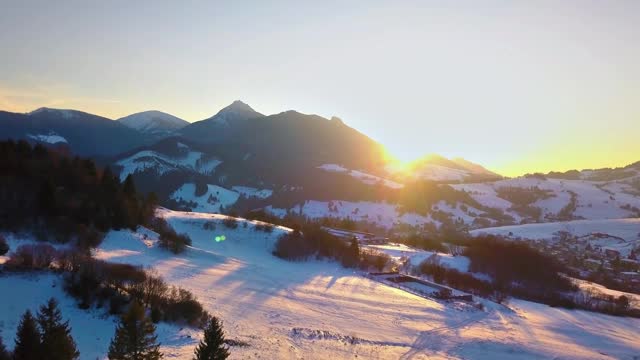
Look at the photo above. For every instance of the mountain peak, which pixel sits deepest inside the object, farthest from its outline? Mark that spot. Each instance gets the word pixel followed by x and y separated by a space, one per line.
pixel 153 121
pixel 235 110
pixel 63 112
pixel 237 105
pixel 337 120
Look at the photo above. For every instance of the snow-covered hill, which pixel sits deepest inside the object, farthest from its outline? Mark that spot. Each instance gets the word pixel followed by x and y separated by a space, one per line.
pixel 180 158
pixel 564 199
pixel 153 122
pixel 438 168
pixel 317 309
pixel 212 200
pixel 619 234
pixel 362 176
pixel 50 138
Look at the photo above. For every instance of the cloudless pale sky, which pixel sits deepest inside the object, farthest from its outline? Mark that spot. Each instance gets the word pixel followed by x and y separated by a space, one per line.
pixel 518 86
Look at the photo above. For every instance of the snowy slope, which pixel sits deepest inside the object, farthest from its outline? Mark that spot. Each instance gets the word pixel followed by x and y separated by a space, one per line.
pixel 209 202
pixel 153 122
pixel 51 138
pixel 161 163
pixel 362 176
pixel 381 213
pixel 92 330
pixel 595 200
pixel 252 192
pixel 318 310
pixel 416 256
pixel 626 229
pixel 438 168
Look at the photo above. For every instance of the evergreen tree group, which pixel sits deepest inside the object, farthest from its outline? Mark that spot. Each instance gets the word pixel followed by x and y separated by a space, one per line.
pixel 212 346
pixel 135 337
pixel 44 336
pixel 4 353
pixel 44 189
pixel 56 340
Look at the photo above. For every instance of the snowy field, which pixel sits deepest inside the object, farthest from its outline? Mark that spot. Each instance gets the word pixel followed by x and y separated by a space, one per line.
pixel 416 256
pixel 317 309
pixel 381 213
pixel 209 202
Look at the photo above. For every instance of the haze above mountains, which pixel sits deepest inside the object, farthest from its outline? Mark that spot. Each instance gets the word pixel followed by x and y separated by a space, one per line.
pixel 237 125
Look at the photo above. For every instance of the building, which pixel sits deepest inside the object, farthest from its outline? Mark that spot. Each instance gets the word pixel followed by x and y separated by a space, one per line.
pixel 361 236
pixel 630 276
pixel 611 253
pixel 592 264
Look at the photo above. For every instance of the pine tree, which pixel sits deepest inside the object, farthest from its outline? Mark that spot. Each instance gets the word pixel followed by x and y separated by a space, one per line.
pixel 212 347
pixel 352 255
pixel 27 339
pixel 47 198
pixel 56 338
pixel 135 337
pixel 129 188
pixel 4 354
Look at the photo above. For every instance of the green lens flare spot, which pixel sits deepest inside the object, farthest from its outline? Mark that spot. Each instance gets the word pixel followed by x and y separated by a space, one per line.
pixel 220 238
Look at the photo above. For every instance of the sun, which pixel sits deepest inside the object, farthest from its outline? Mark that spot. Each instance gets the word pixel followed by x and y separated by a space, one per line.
pixel 396 165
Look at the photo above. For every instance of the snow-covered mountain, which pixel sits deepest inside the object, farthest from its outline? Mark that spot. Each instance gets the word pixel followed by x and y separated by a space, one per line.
pixel 84 133
pixel 219 127
pixel 438 168
pixel 153 122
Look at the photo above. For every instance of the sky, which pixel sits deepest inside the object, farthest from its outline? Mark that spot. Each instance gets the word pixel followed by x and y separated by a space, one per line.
pixel 517 86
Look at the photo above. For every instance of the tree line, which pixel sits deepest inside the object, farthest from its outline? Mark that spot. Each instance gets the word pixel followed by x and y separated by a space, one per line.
pixel 46 335
pixel 59 197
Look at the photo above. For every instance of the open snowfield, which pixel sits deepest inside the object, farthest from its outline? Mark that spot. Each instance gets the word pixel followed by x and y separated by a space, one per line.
pixel 318 310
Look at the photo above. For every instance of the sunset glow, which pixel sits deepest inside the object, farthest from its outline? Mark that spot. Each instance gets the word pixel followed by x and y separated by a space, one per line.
pixel 518 87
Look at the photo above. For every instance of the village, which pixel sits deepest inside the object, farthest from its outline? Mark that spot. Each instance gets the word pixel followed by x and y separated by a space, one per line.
pixel 596 256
